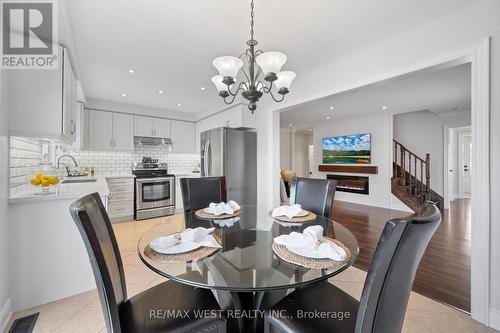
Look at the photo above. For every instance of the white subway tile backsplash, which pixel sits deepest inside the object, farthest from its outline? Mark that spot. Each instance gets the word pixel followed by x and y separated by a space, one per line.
pixel 109 163
pixel 24 154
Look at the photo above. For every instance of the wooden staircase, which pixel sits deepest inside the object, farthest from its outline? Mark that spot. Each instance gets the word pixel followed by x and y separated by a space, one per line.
pixel 411 179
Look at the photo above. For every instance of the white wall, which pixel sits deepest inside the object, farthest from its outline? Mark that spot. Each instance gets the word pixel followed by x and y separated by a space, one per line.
pixel 4 229
pixel 379 127
pixel 286 145
pixel 479 20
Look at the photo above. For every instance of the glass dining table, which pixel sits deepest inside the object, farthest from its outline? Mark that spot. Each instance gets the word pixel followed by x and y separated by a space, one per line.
pixel 246 276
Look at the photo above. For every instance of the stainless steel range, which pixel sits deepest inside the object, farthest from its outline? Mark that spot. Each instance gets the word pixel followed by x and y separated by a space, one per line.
pixel 154 189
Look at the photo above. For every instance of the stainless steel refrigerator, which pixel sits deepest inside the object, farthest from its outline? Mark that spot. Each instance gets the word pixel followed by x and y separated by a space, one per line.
pixel 232 153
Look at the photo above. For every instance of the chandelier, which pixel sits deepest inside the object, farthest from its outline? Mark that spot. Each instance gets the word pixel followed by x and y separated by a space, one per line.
pixel 252 88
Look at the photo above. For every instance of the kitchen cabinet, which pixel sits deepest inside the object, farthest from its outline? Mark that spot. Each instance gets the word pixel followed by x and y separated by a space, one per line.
pixel 183 136
pixel 123 130
pixel 151 127
pixel 236 117
pixel 121 199
pixel 162 127
pixel 101 130
pixel 110 131
pixel 43 103
pixel 143 126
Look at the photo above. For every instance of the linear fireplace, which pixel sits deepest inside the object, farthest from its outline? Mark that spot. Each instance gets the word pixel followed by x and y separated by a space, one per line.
pixel 352 184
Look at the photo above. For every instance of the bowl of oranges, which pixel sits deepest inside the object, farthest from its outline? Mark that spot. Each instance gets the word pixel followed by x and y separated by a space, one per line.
pixel 43 182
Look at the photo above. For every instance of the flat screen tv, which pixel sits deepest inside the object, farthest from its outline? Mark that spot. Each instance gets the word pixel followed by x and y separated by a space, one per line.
pixel 347 149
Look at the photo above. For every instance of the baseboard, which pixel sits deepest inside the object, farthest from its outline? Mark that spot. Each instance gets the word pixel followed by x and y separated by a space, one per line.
pixel 495 319
pixel 5 315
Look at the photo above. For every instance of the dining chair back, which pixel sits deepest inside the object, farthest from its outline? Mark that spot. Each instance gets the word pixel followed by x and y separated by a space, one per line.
pixel 315 195
pixel 94 225
pixel 198 193
pixel 387 288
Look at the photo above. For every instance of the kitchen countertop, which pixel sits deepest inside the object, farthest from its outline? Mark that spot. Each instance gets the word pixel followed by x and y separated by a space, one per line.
pixel 66 191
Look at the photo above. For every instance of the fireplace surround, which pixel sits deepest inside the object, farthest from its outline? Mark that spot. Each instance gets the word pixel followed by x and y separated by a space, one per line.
pixel 351 184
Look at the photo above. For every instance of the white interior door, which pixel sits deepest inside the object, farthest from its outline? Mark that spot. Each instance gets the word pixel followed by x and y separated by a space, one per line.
pixel 465 165
pixel 310 160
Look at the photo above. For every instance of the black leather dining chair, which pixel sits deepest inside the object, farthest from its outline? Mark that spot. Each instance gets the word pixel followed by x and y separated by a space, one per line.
pixel 198 193
pixel 145 312
pixel 385 294
pixel 315 195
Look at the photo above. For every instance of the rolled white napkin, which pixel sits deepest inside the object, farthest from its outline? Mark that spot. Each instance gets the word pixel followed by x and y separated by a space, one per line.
pixel 201 236
pixel 164 242
pixel 222 208
pixel 227 222
pixel 309 239
pixel 288 211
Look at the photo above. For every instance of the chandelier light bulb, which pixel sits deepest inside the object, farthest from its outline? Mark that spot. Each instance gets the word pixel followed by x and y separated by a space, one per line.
pixel 217 80
pixel 285 79
pixel 228 66
pixel 271 62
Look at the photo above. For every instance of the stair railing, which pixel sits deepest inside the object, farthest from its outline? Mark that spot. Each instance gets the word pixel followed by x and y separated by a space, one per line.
pixel 406 167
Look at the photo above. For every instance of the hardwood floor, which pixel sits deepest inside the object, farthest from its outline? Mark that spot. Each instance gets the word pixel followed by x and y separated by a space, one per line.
pixel 444 273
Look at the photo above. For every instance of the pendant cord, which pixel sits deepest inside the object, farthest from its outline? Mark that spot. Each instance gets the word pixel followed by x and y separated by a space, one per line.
pixel 251 19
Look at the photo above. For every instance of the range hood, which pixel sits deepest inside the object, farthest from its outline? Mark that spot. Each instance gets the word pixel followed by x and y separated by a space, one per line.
pixel 150 141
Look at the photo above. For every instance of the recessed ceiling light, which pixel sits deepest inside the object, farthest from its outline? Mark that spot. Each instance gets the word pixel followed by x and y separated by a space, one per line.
pixel 202 88
pixel 384 107
pixel 290 125
pixel 328 118
pixel 161 91
pixel 331 107
pixel 179 104
pixel 131 71
pixel 124 95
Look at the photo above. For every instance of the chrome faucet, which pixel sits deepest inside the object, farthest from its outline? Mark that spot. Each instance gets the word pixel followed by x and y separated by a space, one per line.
pixel 67 168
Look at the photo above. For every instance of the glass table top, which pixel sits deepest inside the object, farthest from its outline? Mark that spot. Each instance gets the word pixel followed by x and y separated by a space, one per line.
pixel 246 262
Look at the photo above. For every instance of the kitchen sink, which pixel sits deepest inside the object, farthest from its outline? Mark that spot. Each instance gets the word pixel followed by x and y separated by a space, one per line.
pixel 80 180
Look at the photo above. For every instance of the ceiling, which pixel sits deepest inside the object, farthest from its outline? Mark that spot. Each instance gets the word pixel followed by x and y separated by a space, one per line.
pixel 171 44
pixel 441 91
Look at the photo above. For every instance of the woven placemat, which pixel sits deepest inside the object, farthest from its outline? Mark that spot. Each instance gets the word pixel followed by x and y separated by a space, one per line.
pixel 202 215
pixel 298 219
pixel 195 255
pixel 283 253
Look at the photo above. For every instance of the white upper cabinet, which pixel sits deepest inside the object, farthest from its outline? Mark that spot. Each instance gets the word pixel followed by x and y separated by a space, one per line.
pixel 143 126
pixel 110 131
pixel 42 103
pixel 161 128
pixel 151 127
pixel 100 130
pixel 123 131
pixel 70 105
pixel 183 136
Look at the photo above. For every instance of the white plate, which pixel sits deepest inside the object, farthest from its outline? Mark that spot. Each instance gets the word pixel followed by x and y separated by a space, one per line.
pixel 175 249
pixel 309 253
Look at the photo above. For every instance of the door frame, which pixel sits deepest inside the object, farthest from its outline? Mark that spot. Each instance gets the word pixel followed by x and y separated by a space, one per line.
pixel 478 54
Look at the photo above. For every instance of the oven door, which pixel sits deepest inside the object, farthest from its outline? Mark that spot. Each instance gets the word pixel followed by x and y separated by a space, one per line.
pixel 154 192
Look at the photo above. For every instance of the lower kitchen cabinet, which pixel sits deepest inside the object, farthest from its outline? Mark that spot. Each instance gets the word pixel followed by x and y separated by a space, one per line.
pixel 121 200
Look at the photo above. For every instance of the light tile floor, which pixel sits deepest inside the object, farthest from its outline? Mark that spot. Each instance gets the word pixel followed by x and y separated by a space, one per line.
pixel 82 312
